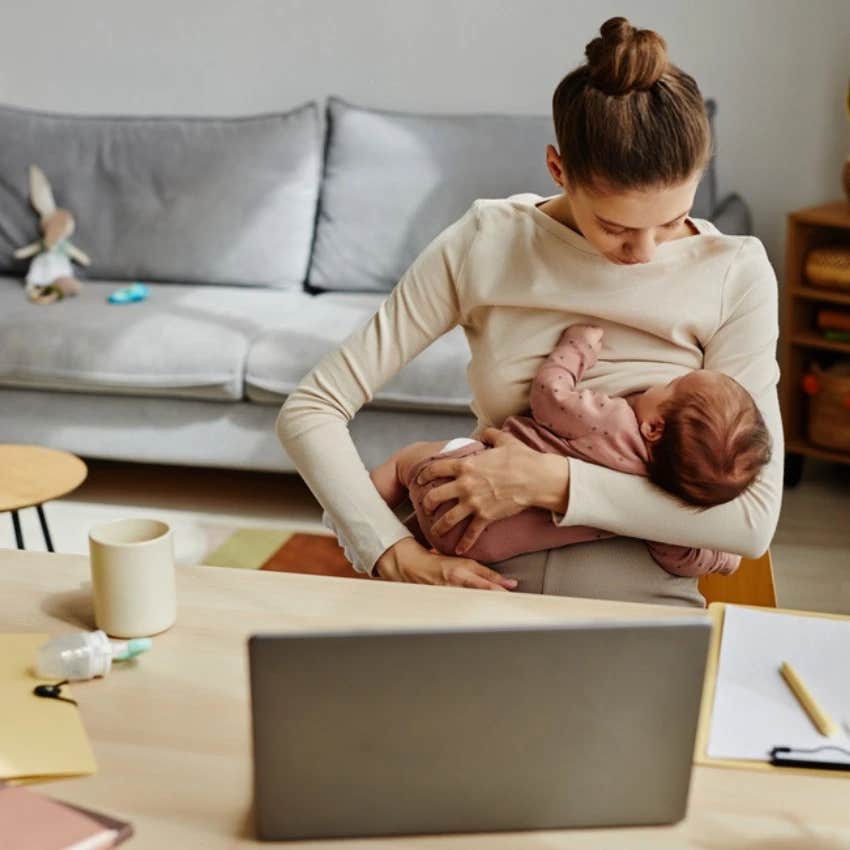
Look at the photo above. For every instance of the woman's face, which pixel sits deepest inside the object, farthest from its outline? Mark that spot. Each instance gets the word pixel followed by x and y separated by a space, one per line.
pixel 627 227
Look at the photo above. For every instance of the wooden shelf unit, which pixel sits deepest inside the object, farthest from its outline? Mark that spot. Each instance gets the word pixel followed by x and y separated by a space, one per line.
pixel 800 341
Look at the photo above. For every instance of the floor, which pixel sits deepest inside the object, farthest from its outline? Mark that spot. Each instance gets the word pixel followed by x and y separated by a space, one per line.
pixel 811 549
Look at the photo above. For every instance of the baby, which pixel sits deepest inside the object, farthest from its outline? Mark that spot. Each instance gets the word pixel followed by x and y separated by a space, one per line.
pixel 700 438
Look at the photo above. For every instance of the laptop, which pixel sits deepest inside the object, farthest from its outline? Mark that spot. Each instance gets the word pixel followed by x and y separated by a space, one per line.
pixel 476 729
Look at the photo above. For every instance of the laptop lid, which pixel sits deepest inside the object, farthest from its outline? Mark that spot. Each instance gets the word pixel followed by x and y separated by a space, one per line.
pixel 479 729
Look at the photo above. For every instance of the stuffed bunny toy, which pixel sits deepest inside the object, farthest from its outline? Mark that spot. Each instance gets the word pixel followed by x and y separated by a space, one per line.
pixel 51 275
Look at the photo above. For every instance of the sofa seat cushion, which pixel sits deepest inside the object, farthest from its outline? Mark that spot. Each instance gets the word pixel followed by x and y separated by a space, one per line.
pixel 183 341
pixel 281 357
pixel 198 200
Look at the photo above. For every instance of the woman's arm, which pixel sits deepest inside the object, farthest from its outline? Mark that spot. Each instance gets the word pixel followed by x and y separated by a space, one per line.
pixel 313 422
pixel 743 347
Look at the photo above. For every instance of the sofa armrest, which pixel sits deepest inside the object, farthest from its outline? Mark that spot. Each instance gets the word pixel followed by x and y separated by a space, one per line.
pixel 732 216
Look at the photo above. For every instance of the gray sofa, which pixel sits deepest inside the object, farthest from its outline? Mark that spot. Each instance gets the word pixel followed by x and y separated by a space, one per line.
pixel 264 241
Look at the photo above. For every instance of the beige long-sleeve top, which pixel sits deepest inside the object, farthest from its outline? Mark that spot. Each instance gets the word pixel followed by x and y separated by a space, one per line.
pixel 513 277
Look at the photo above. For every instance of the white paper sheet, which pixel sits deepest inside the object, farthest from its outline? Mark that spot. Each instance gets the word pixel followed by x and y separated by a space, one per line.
pixel 754 709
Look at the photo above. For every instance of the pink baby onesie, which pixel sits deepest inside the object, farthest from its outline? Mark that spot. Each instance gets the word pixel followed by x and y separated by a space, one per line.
pixel 574 423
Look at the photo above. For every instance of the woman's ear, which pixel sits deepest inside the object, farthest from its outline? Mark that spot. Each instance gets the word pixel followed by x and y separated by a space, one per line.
pixel 652 429
pixel 555 166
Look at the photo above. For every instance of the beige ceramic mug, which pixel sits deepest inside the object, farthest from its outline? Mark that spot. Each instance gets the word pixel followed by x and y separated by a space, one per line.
pixel 132 566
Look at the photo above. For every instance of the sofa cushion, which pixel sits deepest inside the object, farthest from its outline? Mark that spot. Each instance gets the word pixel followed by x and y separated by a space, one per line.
pixel 184 341
pixel 281 357
pixel 394 180
pixel 198 200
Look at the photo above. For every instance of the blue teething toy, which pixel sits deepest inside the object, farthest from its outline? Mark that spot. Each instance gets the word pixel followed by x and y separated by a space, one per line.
pixel 129 294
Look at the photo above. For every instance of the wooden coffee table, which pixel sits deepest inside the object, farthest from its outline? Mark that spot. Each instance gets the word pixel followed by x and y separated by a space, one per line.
pixel 33 475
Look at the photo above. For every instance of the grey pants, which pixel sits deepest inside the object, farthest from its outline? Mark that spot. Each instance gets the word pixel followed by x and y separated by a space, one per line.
pixel 618 568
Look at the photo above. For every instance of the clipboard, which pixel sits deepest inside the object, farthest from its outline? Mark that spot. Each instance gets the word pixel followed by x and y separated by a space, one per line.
pixel 40 739
pixel 717 611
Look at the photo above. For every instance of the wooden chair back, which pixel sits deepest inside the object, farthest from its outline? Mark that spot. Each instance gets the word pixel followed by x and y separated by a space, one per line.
pixel 751 584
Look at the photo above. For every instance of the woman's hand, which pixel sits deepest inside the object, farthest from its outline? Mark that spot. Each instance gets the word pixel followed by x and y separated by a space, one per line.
pixel 407 560
pixel 495 484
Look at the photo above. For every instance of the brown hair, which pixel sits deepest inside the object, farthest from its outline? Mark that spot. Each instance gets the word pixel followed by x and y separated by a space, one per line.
pixel 713 445
pixel 629 119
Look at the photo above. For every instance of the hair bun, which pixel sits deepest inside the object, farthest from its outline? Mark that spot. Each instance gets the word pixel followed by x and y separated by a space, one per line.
pixel 625 59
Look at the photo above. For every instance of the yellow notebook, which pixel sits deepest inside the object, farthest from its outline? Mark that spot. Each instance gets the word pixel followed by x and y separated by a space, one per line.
pixel 747 705
pixel 40 738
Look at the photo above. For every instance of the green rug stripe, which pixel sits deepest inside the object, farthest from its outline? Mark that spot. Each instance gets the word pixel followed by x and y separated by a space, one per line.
pixel 248 548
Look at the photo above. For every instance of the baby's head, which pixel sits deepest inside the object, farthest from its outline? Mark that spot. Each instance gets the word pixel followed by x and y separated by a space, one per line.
pixel 707 440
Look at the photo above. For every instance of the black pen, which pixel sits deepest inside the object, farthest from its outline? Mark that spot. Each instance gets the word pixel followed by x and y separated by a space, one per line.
pixel 792 757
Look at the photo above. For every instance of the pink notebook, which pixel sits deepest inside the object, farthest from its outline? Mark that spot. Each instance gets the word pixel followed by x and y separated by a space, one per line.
pixel 29 821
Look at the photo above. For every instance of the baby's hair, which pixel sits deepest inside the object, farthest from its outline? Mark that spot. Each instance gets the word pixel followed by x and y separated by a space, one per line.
pixel 713 446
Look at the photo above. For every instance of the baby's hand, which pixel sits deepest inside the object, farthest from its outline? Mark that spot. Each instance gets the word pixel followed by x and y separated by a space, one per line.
pixel 588 334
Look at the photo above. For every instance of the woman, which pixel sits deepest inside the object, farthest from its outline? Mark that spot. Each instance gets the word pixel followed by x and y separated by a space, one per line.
pixel 617 249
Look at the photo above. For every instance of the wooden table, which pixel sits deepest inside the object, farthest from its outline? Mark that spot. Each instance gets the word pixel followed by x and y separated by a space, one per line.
pixel 32 475
pixel 171 735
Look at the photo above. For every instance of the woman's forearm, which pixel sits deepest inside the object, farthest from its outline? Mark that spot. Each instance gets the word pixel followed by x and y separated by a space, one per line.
pixel 313 425
pixel 320 446
pixel 632 506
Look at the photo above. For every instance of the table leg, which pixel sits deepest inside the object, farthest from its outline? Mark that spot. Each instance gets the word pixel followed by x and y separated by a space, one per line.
pixel 19 537
pixel 44 530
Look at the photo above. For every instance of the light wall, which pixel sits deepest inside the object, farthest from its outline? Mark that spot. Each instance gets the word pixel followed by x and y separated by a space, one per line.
pixel 778 68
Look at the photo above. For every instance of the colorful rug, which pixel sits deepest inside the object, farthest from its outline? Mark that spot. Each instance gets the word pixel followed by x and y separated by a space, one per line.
pixel 284 551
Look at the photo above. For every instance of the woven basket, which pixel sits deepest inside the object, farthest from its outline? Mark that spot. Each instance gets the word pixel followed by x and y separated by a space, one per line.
pixel 829 406
pixel 829 267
